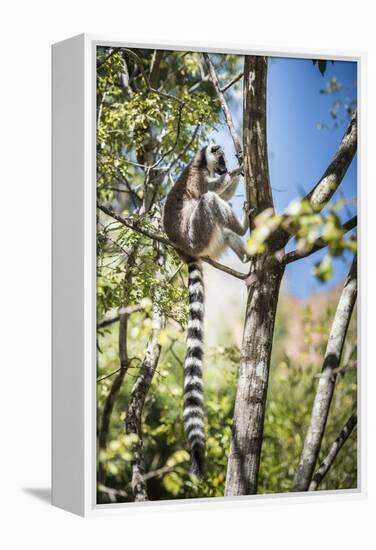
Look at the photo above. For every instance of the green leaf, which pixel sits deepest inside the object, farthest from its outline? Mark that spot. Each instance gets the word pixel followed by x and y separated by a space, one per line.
pixel 324 270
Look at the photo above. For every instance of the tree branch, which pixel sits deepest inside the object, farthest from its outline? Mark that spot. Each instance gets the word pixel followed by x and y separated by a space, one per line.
pixel 319 244
pixel 133 423
pixel 147 80
pixel 112 494
pixel 334 449
pixel 172 148
pixel 155 67
pixel 326 384
pixel 225 269
pixel 185 150
pixel 124 364
pixel 225 109
pixel 152 235
pixel 329 182
pixel 333 175
pixel 101 63
pixel 127 310
pixel 232 82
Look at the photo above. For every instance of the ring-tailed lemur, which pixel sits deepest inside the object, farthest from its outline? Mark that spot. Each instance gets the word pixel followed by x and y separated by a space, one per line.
pixel 199 222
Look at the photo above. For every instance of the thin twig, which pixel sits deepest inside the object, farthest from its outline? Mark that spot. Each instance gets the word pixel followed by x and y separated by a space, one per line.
pixel 225 109
pixel 147 81
pixel 112 51
pixel 113 494
pixel 225 268
pixel 334 449
pixel 232 82
pixel 187 148
pixel 128 310
pixel 152 235
pixel 107 375
pixel 319 244
pixel 157 163
pixel 345 368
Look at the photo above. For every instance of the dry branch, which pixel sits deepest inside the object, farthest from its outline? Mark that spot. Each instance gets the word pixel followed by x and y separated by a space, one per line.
pixel 225 109
pixel 141 388
pixel 333 175
pixel 117 382
pixel 134 225
pixel 319 244
pixel 232 82
pixel 326 384
pixel 334 449
pixel 110 320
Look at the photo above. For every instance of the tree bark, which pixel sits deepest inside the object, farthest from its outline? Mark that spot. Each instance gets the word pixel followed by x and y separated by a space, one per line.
pixel 108 407
pixel 326 385
pixel 133 424
pixel 264 281
pixel 334 449
pixel 248 423
pixel 255 149
pixel 333 175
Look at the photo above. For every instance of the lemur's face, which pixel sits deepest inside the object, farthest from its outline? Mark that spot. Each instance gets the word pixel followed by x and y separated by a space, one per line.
pixel 215 159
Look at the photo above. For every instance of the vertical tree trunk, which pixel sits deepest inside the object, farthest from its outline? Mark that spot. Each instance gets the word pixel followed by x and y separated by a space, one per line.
pixel 133 421
pixel 104 427
pixel 248 423
pixel 326 385
pixel 264 282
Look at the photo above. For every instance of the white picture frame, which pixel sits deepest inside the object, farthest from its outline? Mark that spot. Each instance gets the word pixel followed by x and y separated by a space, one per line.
pixel 74 285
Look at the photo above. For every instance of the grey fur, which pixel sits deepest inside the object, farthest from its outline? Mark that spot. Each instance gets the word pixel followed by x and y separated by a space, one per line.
pixel 199 222
pixel 197 218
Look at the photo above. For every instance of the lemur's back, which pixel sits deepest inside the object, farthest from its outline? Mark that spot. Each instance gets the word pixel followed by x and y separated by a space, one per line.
pixel 181 201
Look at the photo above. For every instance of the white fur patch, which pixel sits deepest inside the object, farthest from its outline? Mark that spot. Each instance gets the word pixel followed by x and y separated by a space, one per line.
pixel 195 274
pixel 196 306
pixel 194 343
pixel 216 245
pixel 211 160
pixel 193 362
pixel 194 323
pixel 196 287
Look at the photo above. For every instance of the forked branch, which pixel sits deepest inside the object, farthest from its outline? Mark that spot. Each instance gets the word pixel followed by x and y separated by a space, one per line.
pixel 319 244
pixel 334 449
pixel 326 385
pixel 134 225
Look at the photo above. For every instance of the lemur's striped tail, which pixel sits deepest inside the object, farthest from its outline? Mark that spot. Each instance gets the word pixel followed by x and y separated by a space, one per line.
pixel 193 389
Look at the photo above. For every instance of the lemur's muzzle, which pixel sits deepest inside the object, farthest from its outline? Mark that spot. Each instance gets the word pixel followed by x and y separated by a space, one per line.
pixel 221 167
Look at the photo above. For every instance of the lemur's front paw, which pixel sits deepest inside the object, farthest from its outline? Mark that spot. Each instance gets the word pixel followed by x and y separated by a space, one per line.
pixel 247 208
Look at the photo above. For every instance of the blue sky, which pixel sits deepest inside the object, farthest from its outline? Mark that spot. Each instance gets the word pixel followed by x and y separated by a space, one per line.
pixel 299 151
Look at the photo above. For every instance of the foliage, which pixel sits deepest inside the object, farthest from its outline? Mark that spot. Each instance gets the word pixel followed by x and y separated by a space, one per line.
pixel 290 396
pixel 343 105
pixel 154 110
pixel 309 226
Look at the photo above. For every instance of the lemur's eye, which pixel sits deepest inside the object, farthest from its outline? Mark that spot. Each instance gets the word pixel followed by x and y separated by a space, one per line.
pixel 215 148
